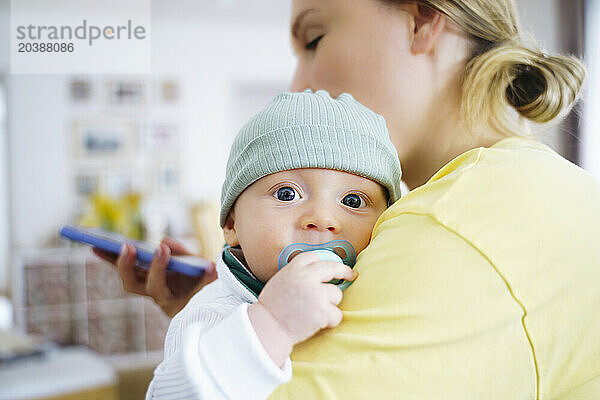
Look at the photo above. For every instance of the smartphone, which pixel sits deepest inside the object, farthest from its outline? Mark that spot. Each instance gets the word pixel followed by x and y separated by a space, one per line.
pixel 112 242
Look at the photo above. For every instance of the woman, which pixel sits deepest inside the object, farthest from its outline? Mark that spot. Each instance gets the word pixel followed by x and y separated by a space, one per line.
pixel 484 281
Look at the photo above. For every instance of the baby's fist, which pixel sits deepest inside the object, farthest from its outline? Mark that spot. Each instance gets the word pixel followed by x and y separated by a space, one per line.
pixel 299 298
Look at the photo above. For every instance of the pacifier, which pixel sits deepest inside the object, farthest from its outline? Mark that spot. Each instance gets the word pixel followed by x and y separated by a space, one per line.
pixel 335 250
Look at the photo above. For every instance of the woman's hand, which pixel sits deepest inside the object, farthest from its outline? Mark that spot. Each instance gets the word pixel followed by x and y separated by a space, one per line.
pixel 170 291
pixel 297 302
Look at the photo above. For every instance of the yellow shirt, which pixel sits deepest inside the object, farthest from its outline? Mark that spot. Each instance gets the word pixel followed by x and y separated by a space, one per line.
pixel 483 283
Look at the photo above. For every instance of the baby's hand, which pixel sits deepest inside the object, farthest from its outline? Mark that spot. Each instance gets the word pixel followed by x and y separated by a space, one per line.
pixel 297 302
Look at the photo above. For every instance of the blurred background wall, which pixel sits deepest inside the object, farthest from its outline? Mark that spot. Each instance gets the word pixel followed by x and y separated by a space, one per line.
pixel 226 59
pixel 590 127
pixel 159 141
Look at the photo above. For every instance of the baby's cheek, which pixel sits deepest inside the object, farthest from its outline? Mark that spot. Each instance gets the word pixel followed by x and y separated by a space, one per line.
pixel 263 263
pixel 265 271
pixel 362 238
pixel 269 272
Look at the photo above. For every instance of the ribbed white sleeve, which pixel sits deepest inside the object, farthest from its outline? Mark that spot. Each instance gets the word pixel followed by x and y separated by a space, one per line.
pixel 237 361
pixel 226 361
pixel 212 352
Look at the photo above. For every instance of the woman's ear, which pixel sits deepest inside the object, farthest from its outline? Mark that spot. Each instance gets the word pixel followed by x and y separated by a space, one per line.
pixel 229 232
pixel 428 25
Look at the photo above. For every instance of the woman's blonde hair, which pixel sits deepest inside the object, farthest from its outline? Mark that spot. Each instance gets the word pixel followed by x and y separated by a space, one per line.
pixel 505 74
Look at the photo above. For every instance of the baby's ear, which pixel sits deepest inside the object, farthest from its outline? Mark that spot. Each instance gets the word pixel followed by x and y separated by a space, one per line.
pixel 229 232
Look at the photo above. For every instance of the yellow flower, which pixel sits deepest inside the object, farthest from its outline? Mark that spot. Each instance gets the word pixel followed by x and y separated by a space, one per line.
pixel 120 215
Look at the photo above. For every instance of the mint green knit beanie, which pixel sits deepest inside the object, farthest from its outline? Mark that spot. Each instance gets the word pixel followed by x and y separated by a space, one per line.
pixel 311 130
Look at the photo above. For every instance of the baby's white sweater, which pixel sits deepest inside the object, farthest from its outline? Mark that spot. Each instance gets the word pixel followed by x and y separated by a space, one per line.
pixel 212 351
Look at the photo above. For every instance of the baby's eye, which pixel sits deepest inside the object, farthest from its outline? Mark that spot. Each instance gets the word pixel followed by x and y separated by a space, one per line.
pixel 285 194
pixel 353 201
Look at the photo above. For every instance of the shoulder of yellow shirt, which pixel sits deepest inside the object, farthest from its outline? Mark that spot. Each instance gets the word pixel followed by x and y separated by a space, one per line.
pixel 509 164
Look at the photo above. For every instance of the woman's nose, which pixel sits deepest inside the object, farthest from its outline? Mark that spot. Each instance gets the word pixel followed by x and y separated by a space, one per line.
pixel 300 79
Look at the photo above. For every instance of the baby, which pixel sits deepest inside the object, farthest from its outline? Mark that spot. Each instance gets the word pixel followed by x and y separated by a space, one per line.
pixel 306 169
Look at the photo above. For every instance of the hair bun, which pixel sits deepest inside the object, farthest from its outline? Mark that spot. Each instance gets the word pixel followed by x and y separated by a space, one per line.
pixel 528 84
pixel 543 87
pixel 510 75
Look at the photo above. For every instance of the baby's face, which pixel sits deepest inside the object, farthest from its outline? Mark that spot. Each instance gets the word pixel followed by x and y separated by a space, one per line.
pixel 303 205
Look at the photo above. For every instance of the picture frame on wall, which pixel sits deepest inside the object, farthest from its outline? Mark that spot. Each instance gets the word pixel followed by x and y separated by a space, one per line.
pixel 127 93
pixel 169 91
pixel 80 90
pixel 166 178
pixel 87 184
pixel 103 139
pixel 160 137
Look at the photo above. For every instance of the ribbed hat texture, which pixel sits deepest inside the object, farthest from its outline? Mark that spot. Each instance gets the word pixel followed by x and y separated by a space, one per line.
pixel 311 130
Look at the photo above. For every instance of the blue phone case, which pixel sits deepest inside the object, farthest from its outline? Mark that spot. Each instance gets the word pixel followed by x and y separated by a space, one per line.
pixel 112 242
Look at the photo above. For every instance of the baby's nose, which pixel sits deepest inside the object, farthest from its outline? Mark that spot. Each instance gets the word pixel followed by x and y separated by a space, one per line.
pixel 328 227
pixel 321 223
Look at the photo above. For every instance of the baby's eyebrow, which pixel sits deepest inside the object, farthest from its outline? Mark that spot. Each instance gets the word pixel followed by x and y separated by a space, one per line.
pixel 299 19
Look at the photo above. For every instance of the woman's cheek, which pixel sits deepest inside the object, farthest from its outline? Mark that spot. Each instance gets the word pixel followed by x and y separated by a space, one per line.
pixel 329 73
